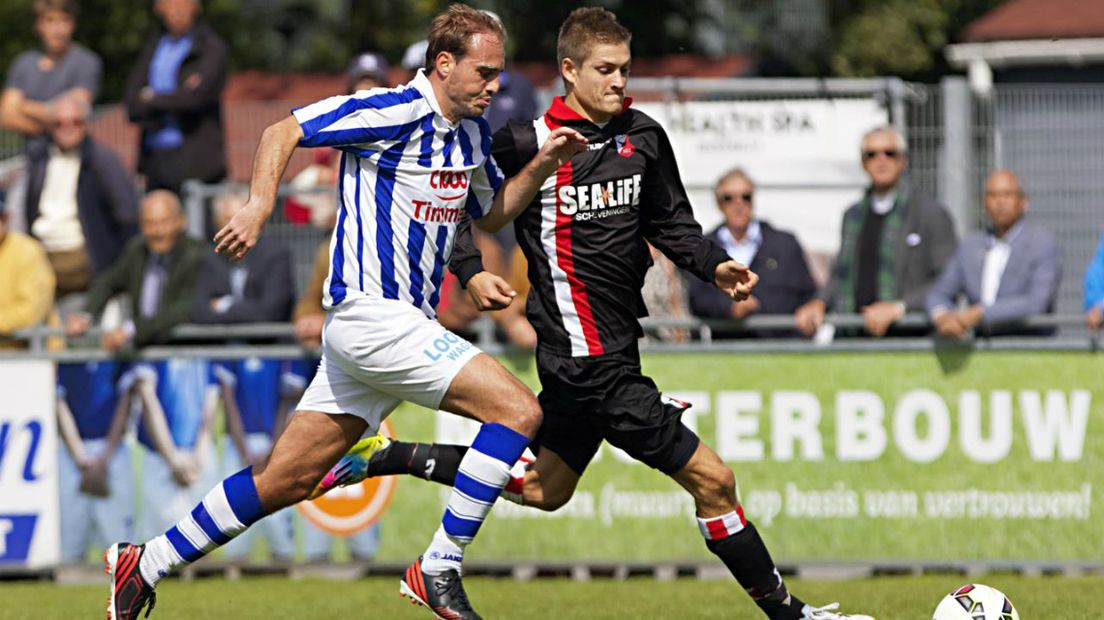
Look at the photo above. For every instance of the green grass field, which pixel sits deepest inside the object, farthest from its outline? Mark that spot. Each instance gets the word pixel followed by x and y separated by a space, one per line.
pixel 888 598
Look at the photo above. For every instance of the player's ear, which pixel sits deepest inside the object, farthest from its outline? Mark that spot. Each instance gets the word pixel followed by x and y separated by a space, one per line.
pixel 444 63
pixel 569 70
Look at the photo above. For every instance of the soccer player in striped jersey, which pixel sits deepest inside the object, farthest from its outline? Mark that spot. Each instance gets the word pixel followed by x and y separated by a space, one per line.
pixel 414 158
pixel 585 240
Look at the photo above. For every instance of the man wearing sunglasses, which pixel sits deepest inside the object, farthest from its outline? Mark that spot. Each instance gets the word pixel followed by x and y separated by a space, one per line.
pixel 775 255
pixel 894 244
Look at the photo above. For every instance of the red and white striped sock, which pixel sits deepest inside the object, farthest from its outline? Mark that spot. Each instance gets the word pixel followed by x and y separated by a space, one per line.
pixel 716 528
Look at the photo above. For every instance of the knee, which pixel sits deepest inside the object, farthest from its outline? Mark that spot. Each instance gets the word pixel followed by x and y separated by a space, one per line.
pixel 521 413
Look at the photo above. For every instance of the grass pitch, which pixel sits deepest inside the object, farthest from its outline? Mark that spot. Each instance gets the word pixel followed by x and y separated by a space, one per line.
pixel 888 598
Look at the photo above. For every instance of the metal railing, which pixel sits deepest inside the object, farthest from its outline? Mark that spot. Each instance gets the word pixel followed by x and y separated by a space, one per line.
pixel 277 340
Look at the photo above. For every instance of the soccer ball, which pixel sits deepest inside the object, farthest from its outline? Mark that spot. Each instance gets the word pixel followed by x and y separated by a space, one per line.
pixel 974 601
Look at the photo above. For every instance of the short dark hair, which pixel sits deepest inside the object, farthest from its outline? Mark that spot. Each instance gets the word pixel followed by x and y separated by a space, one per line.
pixel 69 7
pixel 586 27
pixel 453 29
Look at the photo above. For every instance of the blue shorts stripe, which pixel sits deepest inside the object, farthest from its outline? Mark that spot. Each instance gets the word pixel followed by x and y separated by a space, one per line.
pixel 500 442
pixel 416 235
pixel 475 489
pixel 337 267
pixel 241 494
pixel 465 146
pixel 457 527
pixel 438 265
pixel 206 523
pixel 184 547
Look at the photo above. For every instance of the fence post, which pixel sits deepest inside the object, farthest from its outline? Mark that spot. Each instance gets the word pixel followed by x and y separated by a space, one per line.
pixel 194 201
pixel 957 163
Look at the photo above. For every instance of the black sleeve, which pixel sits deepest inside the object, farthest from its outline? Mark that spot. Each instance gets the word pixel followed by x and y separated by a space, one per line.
pixel 668 220
pixel 466 260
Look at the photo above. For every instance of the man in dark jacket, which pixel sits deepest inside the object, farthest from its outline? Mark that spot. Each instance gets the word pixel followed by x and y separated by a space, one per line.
pixel 80 200
pixel 173 94
pixel 158 270
pixel 776 255
pixel 256 289
pixel 894 244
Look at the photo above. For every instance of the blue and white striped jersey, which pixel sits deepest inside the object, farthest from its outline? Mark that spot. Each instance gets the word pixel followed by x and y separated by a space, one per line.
pixel 407 175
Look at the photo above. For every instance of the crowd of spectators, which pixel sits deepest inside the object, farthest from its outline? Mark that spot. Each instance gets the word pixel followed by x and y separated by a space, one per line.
pixel 92 231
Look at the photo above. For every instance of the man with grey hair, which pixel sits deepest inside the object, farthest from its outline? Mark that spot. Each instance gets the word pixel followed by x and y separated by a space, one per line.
pixel 173 94
pixel 893 245
pixel 81 202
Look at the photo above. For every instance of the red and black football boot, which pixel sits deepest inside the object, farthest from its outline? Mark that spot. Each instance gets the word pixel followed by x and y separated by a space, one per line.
pixel 443 594
pixel 129 591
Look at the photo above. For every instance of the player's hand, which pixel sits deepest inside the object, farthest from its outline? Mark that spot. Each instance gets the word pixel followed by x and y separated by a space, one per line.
pixel 735 279
pixel 809 317
pixel 490 292
pixel 77 324
pixel 240 234
pixel 560 145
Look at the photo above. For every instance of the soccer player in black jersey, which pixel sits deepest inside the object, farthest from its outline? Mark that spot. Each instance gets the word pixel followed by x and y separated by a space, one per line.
pixel 584 236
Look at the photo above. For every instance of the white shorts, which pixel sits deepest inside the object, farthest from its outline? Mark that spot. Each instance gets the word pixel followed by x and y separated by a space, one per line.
pixel 377 353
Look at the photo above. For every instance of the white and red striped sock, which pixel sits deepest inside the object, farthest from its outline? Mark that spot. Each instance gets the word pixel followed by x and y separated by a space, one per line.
pixel 716 528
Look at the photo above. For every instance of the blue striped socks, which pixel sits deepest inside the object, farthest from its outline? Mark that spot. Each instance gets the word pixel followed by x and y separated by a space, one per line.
pixel 227 510
pixel 484 470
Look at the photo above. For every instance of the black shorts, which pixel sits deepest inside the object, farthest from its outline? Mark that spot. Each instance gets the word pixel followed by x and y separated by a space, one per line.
pixel 586 400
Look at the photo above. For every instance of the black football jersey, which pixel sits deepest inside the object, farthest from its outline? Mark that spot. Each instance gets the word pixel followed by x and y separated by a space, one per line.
pixel 584 233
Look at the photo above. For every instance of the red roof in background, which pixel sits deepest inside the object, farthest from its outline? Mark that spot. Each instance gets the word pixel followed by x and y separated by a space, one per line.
pixel 1039 19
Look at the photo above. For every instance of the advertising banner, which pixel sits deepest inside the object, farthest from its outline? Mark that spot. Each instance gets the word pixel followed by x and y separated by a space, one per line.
pixel 803 155
pixel 29 536
pixel 900 456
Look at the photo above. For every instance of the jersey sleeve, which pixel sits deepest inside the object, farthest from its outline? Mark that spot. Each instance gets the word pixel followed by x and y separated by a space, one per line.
pixel 668 220
pixel 486 179
pixel 363 119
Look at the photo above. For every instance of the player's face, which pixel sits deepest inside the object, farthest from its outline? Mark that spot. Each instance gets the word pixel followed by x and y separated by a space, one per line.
pixel 472 80
pixel 734 197
pixel 598 83
pixel 161 222
pixel 884 160
pixel 55 28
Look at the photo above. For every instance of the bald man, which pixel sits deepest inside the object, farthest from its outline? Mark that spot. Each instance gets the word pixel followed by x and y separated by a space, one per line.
pixel 157 269
pixel 1006 273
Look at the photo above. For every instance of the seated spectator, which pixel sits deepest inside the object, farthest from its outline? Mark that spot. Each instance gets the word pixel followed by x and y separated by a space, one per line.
pixel 664 294
pixel 1006 273
pixel 775 255
pixel 174 94
pixel 1094 289
pixel 26 281
pixel 368 70
pixel 257 289
pixel 894 243
pixel 37 77
pixel 80 200
pixel 158 270
pixel 95 477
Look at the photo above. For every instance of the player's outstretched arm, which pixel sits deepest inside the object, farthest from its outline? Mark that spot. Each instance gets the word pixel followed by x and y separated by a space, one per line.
pixel 735 279
pixel 278 142
pixel 518 191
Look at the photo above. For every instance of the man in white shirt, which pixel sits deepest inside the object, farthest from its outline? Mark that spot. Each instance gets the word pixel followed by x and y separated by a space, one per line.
pixel 1007 273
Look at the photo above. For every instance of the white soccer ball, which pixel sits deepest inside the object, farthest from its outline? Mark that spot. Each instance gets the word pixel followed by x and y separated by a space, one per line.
pixel 974 601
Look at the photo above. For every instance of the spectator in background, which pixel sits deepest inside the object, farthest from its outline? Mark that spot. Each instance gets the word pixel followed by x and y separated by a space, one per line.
pixel 177 399
pixel 94 477
pixel 368 70
pixel 1006 273
pixel 158 270
pixel 257 289
pixel 784 279
pixel 37 77
pixel 255 394
pixel 1094 289
pixel 81 202
pixel 894 244
pixel 414 58
pixel 26 281
pixel 173 94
